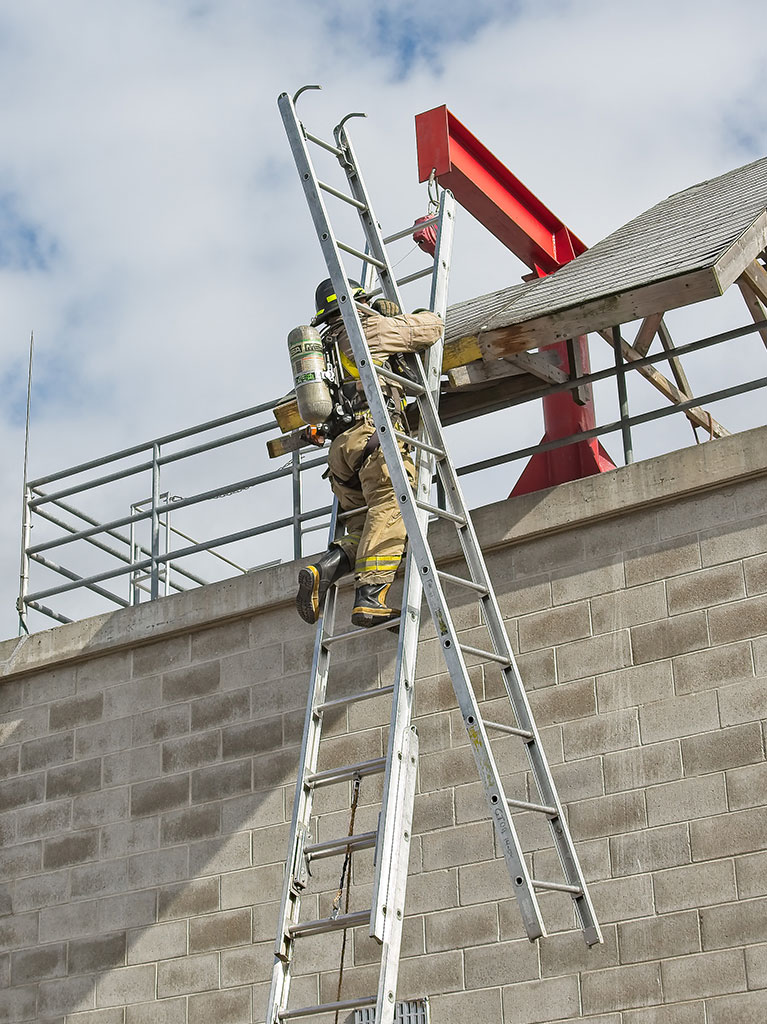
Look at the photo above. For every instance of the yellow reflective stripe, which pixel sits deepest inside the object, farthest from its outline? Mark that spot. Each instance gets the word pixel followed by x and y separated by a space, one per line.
pixel 349 365
pixel 377 563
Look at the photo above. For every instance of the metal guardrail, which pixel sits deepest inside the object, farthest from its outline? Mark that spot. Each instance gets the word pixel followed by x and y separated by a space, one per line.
pixel 152 568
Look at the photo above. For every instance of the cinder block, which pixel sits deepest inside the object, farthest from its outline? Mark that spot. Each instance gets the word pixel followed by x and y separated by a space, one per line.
pixel 221 639
pixel 122 838
pixel 212 856
pixel 734 924
pixel 18 930
pixel 19 1004
pixel 42 962
pixel 108 670
pixel 71 849
pixel 158 867
pixel 751 875
pixel 187 974
pixel 72 779
pixel 727 748
pixel 220 780
pixel 639 767
pixel 706 588
pixel 745 1008
pixel 116 1015
pixel 161 656
pixel 743 702
pixel 253 810
pixel 187 752
pixel 28 789
pixel 139 764
pixel 9 760
pixel 261 736
pixel 159 795
pixel 594 736
pixel 594 858
pixel 49 684
pixel 100 879
pixel 40 891
pixel 215 931
pixel 567 953
pixel 615 899
pixel 446 768
pixel 593 656
pixel 69 921
pixel 578 780
pixel 273 770
pixel 158 1011
pixel 131 910
pixel 650 849
pixel 80 710
pixel 23 859
pixel 435 972
pixel 538 1002
pixel 64 996
pixel 680 716
pixel 686 799
pixel 725 544
pixel 667 638
pixel 197 896
pixel 716 667
pixel 477 926
pixel 624 608
pixel 579 584
pixel 679 1013
pixel 621 988
pixel 662 560
pixel 192 681
pixel 159 942
pixel 133 698
pixel 746 786
pixel 502 963
pixel 103 737
pixel 738 832
pixel 606 815
pixel 252 667
pixel 100 808
pixel 221 709
pixel 462 844
pixel 755 571
pixel 126 985
pixel 47 751
pixel 190 823
pixel 634 686
pixel 469 1007
pixel 522 596
pixel 87 956
pixel 161 724
pixel 739 620
pixel 231 1006
pixel 564 702
pixel 694 885
pixel 704 974
pixel 657 937
pixel 562 623
pixel 547 554
pixel 756 966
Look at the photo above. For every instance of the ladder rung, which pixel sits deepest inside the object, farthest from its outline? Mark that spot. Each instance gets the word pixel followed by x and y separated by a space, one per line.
pixel 342 516
pixel 442 513
pixel 341 195
pixel 333 847
pixel 461 582
pixel 404 382
pixel 308 1011
pixel 323 145
pixel 411 230
pixel 340 702
pixel 362 255
pixel 525 805
pixel 575 890
pixel 389 624
pixel 409 278
pixel 333 775
pixel 329 924
pixel 424 446
pixel 489 655
pixel 510 730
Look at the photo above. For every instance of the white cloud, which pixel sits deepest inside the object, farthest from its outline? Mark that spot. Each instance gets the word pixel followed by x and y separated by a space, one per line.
pixel 142 143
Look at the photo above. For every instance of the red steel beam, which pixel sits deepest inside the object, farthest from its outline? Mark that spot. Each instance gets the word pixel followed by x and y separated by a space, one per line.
pixel 491 193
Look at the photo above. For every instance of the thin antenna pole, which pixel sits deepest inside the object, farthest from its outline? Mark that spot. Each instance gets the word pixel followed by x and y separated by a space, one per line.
pixel 26 511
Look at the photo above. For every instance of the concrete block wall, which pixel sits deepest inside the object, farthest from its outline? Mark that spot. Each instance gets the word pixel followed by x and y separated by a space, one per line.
pixel 147 763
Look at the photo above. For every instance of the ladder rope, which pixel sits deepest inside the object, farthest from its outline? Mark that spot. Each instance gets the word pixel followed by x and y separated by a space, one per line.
pixel 345 882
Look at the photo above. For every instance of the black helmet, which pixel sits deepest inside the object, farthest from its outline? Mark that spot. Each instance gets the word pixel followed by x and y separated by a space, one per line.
pixel 326 301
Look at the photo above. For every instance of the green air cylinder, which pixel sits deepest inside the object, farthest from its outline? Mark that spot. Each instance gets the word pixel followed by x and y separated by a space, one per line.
pixel 307 361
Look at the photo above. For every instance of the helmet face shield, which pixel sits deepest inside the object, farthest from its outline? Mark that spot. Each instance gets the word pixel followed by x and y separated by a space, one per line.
pixel 326 300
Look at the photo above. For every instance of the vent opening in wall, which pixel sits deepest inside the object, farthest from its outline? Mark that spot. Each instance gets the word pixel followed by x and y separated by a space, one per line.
pixel 414 1011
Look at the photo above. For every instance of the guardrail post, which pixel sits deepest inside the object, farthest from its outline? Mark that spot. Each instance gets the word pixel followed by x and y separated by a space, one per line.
pixel 26 528
pixel 623 401
pixel 155 566
pixel 297 530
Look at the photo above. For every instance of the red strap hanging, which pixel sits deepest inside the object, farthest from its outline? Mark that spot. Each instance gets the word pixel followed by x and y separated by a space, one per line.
pixel 426 238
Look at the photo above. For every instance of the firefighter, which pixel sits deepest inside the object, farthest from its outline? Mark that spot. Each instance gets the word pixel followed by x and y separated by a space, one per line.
pixel 374 540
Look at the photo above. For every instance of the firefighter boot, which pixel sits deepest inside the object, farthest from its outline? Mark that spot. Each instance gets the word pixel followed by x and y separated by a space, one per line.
pixel 370 605
pixel 314 580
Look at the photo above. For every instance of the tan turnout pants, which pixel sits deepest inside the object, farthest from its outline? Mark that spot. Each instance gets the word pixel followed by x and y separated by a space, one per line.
pixel 374 541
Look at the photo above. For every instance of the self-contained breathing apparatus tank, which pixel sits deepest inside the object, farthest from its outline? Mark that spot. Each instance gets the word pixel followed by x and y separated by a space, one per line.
pixel 307 361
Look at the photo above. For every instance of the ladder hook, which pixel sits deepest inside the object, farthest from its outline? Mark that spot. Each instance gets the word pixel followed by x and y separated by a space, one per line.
pixel 303 89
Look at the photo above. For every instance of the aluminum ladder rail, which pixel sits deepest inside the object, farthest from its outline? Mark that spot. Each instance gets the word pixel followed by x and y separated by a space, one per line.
pixel 399 767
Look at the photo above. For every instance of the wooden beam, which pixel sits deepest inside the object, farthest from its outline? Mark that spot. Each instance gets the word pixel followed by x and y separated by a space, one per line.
pixel 696 415
pixel 755 276
pixel 538 364
pixel 742 253
pixel 755 308
pixel 676 364
pixel 600 314
pixel 646 333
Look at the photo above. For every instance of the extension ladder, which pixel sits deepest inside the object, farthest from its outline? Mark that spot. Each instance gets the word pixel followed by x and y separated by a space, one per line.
pixel 390 839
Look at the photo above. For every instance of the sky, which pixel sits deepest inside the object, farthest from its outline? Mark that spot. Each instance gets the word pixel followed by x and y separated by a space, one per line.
pixel 154 237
